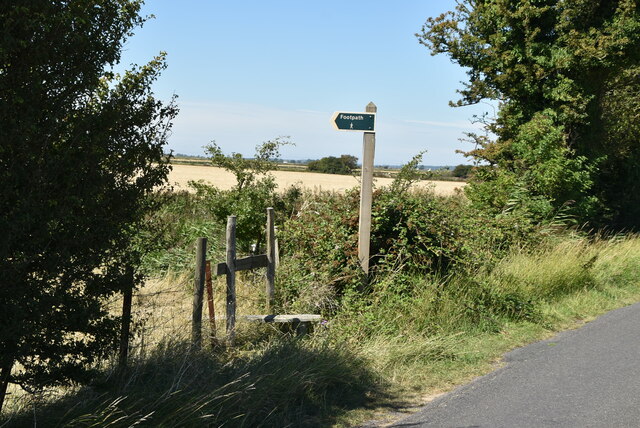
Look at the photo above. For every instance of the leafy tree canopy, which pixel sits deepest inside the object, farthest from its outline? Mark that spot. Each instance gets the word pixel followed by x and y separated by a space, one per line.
pixel 80 148
pixel 248 170
pixel 564 73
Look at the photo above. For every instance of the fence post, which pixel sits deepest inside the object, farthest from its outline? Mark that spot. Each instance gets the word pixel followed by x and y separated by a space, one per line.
pixel 231 280
pixel 127 296
pixel 271 256
pixel 277 248
pixel 198 291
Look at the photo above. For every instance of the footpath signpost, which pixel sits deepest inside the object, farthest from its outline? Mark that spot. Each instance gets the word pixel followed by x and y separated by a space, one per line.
pixel 348 121
pixel 344 121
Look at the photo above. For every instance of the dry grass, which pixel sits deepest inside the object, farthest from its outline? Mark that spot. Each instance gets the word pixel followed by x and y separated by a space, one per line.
pixel 182 174
pixel 163 307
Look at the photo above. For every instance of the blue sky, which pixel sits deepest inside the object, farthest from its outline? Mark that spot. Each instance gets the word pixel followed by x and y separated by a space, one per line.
pixel 249 71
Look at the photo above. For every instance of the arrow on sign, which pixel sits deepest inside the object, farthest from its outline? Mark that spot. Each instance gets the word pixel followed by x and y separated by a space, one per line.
pixel 345 121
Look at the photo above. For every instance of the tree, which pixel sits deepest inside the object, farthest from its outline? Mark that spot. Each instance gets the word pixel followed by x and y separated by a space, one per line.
pixel 462 171
pixel 558 68
pixel 81 147
pixel 254 192
pixel 345 164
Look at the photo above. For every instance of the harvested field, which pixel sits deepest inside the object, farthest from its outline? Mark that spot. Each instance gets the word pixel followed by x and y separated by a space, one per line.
pixel 222 179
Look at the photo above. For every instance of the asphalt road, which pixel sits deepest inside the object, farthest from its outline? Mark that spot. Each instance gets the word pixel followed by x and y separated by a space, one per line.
pixel 588 377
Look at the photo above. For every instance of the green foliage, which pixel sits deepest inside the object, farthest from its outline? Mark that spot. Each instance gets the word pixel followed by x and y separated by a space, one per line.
pixel 462 171
pixel 543 172
pixel 558 69
pixel 81 147
pixel 254 192
pixel 171 231
pixel 415 232
pixel 247 171
pixel 321 242
pixel 432 307
pixel 345 164
pixel 422 232
pixel 620 111
pixel 518 288
pixel 408 174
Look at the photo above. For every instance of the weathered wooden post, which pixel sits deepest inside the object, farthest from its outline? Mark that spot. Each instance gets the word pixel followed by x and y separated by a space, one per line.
pixel 277 248
pixel 271 256
pixel 362 122
pixel 366 194
pixel 231 280
pixel 198 291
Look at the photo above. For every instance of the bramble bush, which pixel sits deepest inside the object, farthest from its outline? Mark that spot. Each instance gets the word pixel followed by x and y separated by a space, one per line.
pixel 415 233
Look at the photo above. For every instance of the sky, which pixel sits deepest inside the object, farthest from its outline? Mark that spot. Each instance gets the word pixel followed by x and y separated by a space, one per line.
pixel 249 71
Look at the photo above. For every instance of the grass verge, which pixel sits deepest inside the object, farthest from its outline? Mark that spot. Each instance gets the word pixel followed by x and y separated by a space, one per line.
pixel 384 353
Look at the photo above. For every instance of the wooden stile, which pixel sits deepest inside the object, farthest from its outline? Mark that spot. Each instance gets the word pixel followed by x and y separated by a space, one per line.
pixel 301 323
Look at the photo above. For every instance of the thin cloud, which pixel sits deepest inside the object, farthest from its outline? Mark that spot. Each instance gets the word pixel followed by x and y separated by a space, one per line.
pixel 238 127
pixel 457 125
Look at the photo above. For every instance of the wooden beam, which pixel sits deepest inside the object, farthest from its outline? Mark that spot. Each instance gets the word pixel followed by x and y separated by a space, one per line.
pixel 126 318
pixel 366 194
pixel 284 318
pixel 245 263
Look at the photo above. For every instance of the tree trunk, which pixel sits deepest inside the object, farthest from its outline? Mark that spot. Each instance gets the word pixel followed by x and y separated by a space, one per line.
pixel 5 377
pixel 126 319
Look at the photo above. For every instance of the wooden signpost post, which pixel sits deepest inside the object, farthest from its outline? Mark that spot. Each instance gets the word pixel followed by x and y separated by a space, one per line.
pixel 362 122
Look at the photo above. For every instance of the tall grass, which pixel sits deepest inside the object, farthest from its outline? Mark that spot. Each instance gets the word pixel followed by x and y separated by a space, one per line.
pixel 445 330
pixel 282 382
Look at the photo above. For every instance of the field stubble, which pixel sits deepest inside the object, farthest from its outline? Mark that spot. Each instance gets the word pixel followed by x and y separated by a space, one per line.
pixel 224 180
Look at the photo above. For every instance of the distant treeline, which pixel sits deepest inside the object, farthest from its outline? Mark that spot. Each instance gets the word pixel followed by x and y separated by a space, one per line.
pixel 327 162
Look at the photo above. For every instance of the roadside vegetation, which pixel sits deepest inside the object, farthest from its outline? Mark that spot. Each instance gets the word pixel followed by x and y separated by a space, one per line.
pixel 541 240
pixel 452 288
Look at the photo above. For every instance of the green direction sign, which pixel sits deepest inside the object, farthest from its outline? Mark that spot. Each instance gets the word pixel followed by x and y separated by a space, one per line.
pixel 344 121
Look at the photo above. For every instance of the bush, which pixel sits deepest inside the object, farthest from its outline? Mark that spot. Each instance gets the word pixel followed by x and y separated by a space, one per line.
pixel 415 232
pixel 254 192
